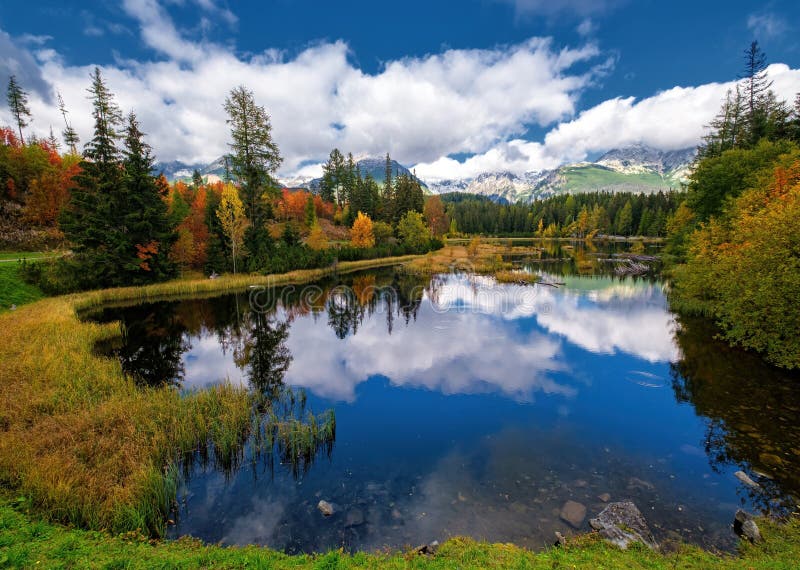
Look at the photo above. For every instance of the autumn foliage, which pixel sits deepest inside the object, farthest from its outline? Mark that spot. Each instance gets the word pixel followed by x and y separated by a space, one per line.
pixel 361 233
pixel 292 206
pixel 743 267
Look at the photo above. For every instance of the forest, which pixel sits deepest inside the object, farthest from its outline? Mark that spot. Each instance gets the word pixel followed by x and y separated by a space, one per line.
pixel 125 224
pixel 736 238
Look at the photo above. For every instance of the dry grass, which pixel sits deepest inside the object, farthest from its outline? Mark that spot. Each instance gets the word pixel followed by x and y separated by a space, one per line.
pixel 519 277
pixel 476 257
pixel 80 439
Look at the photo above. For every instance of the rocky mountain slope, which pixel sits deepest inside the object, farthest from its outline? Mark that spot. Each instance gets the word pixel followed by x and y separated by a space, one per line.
pixel 632 169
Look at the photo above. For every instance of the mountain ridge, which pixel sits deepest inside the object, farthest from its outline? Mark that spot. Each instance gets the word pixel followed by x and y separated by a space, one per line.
pixel 635 168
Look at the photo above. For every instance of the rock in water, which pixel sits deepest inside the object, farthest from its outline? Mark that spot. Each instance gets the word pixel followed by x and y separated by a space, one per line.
pixel 560 540
pixel 605 497
pixel 623 524
pixel 745 478
pixel 745 526
pixel 325 508
pixel 574 513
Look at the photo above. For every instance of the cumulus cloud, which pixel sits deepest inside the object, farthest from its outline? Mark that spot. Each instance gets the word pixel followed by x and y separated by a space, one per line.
pixel 416 108
pixel 423 110
pixel 670 120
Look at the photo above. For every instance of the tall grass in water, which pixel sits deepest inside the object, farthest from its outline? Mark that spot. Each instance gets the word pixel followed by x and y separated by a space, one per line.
pixel 88 447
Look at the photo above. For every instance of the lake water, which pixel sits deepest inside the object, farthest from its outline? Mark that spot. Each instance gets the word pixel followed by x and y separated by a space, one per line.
pixel 464 407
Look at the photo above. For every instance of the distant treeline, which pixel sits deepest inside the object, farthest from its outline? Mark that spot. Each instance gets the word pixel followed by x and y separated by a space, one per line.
pixel 577 215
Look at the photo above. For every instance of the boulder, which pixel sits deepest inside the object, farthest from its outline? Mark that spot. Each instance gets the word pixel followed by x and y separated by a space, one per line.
pixel 574 513
pixel 622 524
pixel 745 526
pixel 745 478
pixel 325 508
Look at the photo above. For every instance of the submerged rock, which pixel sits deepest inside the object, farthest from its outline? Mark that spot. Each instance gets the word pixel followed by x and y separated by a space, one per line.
pixel 354 518
pixel 605 497
pixel 745 478
pixel 574 513
pixel 636 484
pixel 325 508
pixel 745 526
pixel 622 524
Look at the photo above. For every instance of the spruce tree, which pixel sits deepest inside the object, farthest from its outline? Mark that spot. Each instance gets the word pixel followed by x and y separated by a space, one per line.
pixel 147 234
pixel 18 105
pixel 69 134
pixel 332 176
pixel 254 159
pixel 90 218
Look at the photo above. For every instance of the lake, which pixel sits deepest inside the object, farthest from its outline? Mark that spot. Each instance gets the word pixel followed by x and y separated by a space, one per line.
pixel 466 407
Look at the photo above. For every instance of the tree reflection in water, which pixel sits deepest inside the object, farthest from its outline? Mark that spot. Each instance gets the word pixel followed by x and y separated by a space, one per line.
pixel 753 412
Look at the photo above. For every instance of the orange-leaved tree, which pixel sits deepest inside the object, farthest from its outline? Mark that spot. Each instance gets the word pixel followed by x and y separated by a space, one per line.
pixel 361 234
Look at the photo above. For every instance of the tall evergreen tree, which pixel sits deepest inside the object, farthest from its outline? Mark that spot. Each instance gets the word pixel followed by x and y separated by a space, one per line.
pixel 90 216
pixel 146 232
pixel 387 197
pixel 70 135
pixel 18 105
pixel 333 173
pixel 254 159
pixel 756 88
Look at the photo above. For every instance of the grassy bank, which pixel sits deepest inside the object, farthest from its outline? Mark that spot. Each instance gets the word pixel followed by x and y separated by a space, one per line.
pixel 28 543
pixel 14 291
pixel 80 439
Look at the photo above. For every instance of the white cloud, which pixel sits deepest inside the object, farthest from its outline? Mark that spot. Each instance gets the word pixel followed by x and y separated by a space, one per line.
pixel 670 120
pixel 424 110
pixel 586 28
pixel 568 7
pixel 766 25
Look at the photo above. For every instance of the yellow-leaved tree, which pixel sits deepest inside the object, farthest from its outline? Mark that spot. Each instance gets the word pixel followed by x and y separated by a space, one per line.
pixel 231 216
pixel 361 234
pixel 317 240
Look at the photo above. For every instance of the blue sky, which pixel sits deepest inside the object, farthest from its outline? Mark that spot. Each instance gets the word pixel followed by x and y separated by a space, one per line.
pixel 454 88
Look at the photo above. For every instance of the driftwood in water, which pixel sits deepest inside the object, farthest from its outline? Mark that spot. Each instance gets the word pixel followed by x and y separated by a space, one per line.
pixel 636 256
pixel 630 267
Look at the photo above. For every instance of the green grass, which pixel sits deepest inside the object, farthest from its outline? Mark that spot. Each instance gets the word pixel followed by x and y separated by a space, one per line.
pixel 26 542
pixel 592 178
pixel 13 290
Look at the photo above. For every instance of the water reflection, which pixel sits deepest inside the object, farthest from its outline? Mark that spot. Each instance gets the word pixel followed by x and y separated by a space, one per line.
pixel 752 412
pixel 464 407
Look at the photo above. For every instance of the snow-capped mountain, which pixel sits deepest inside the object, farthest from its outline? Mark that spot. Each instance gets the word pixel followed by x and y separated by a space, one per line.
pixel 499 186
pixel 632 169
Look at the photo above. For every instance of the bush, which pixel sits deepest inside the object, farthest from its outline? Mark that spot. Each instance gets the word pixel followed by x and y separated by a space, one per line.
pixel 743 268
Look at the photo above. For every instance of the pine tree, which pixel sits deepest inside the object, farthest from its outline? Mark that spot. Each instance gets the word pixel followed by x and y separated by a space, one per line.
pixel 254 159
pixel 91 218
pixel 388 191
pixel 197 180
pixel 70 135
pixel 310 213
pixel 18 105
pixel 332 176
pixel 756 86
pixel 145 230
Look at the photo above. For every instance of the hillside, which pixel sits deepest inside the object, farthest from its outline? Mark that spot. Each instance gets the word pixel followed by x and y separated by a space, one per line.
pixel 632 169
